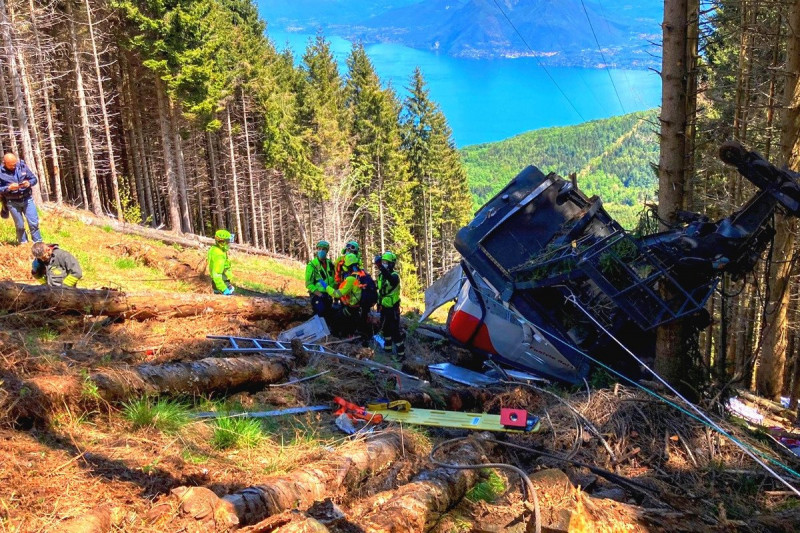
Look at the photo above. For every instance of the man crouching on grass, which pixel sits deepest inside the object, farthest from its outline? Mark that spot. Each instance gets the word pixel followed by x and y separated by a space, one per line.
pixel 54 267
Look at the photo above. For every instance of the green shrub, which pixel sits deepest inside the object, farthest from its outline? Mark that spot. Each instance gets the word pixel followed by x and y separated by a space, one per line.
pixel 236 432
pixel 165 415
pixel 489 489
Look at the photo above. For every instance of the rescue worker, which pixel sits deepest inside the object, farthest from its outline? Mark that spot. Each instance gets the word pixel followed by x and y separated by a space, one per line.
pixel 320 275
pixel 54 267
pixel 349 317
pixel 219 266
pixel 351 247
pixel 389 305
pixel 16 181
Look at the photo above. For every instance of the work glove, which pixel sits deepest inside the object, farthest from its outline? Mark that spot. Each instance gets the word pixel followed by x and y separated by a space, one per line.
pixel 228 291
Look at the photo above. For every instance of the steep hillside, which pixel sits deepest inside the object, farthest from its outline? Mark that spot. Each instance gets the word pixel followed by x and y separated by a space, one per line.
pixel 612 158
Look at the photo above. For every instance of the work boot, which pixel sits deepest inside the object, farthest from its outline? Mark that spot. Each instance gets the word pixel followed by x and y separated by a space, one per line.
pixel 401 350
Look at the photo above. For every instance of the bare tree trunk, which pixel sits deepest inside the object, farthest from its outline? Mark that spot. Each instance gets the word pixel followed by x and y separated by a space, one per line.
pixel 46 392
pixel 169 158
pixel 51 134
pixel 250 178
pixel 271 217
pixel 235 178
pixel 303 486
pixel 186 219
pixel 19 98
pixel 80 183
pixel 19 297
pixel 12 139
pixel 671 361
pixel 96 204
pixel 112 164
pixel 419 505
pixel 44 182
pixel 212 170
pixel 769 379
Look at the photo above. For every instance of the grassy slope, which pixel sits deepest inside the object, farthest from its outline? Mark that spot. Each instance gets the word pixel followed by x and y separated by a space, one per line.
pixel 105 265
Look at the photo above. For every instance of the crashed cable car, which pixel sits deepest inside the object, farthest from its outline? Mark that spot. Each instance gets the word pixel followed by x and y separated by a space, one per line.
pixel 548 275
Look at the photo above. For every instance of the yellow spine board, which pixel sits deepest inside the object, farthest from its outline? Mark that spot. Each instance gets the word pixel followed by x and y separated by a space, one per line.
pixel 450 419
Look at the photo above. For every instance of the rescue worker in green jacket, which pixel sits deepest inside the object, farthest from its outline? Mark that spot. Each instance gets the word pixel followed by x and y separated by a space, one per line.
pixel 350 316
pixel 54 267
pixel 340 271
pixel 219 266
pixel 319 276
pixel 389 305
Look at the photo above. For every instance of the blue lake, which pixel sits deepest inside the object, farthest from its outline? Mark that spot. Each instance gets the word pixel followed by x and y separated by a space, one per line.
pixel 489 100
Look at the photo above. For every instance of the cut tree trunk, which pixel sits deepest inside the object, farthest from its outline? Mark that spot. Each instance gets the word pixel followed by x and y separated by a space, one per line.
pixel 17 297
pixel 304 486
pixel 418 506
pixel 32 400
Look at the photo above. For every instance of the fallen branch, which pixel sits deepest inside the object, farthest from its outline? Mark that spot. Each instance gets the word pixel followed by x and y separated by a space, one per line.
pixel 17 297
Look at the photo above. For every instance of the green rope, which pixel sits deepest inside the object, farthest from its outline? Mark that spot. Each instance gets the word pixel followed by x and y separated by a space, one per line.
pixel 676 406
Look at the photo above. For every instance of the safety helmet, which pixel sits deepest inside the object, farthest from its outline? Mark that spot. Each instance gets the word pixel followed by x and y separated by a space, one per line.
pixel 389 257
pixel 350 260
pixel 351 247
pixel 323 245
pixel 222 235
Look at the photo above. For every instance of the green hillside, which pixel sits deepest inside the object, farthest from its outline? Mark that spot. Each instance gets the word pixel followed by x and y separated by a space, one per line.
pixel 613 158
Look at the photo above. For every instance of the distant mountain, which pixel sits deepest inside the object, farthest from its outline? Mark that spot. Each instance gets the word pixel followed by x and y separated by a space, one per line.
pixel 612 158
pixel 556 31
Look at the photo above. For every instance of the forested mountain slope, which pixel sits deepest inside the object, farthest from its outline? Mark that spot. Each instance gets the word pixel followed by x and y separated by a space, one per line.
pixel 612 157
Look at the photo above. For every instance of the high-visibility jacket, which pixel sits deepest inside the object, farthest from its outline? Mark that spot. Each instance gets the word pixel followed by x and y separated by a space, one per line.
pixel 219 267
pixel 317 270
pixel 62 270
pixel 388 288
pixel 340 271
pixel 349 291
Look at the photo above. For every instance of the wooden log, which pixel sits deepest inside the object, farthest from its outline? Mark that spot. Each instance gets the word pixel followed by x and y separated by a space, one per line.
pixel 33 399
pixel 17 297
pixel 304 486
pixel 288 522
pixel 769 405
pixel 418 505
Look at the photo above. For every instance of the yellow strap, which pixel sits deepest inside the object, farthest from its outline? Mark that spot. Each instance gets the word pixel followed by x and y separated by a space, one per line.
pixel 397 405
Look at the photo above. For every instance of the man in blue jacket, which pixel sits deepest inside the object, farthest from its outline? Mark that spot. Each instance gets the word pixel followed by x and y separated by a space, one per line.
pixel 16 180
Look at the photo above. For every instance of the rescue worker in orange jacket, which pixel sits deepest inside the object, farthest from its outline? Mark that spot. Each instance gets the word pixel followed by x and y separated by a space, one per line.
pixel 350 316
pixel 340 271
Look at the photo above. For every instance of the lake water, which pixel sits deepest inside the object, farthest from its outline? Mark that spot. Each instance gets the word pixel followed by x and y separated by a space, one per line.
pixel 489 100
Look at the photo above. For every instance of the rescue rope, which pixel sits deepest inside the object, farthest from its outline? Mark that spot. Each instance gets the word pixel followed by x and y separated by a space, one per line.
pixel 700 416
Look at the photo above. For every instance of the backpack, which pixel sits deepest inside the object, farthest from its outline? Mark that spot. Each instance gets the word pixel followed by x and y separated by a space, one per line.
pixel 369 291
